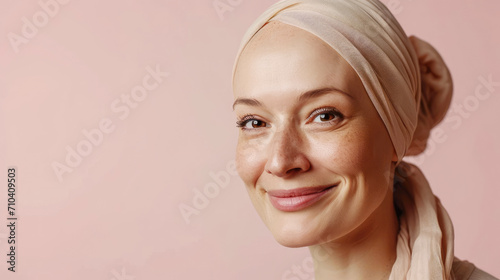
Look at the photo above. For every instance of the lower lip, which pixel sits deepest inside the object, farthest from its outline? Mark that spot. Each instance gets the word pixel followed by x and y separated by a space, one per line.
pixel 296 203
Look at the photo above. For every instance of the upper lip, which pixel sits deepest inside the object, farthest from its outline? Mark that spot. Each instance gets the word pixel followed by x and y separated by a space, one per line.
pixel 299 191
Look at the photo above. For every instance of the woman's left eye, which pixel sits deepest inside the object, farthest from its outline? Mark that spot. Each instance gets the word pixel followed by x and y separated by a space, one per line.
pixel 326 115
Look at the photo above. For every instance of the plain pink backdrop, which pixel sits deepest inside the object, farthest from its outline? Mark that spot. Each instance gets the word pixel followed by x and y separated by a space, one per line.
pixel 116 215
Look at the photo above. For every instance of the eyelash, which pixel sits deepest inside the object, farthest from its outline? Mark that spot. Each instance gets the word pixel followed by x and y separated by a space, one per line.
pixel 318 111
pixel 241 123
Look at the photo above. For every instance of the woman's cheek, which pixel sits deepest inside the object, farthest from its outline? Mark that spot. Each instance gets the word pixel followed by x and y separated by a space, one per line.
pixel 249 162
pixel 341 152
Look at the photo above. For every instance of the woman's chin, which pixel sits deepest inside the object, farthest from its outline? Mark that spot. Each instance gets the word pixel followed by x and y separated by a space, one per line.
pixel 291 242
pixel 295 239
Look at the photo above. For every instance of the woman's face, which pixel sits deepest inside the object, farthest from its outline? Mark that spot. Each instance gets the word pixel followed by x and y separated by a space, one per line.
pixel 312 151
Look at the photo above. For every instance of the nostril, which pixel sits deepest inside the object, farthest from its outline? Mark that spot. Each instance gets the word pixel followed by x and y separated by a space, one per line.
pixel 287 161
pixel 293 170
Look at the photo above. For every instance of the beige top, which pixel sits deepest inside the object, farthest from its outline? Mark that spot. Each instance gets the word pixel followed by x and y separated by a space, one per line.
pixel 464 270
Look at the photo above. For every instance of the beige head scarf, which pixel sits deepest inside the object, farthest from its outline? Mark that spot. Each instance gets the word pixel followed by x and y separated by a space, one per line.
pixel 410 87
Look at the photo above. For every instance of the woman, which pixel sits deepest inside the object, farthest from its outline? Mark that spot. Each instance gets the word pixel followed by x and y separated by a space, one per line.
pixel 330 96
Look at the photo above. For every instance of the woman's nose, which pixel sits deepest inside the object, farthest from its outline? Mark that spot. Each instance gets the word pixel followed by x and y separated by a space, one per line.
pixel 286 155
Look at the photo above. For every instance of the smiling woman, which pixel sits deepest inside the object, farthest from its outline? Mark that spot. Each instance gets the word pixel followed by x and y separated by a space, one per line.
pixel 329 97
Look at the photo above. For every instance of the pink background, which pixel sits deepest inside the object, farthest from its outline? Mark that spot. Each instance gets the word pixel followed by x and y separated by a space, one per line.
pixel 116 215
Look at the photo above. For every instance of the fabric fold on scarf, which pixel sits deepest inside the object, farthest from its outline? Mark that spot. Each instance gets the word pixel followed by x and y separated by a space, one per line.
pixel 425 241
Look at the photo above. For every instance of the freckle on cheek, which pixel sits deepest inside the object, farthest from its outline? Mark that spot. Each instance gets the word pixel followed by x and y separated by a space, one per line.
pixel 356 149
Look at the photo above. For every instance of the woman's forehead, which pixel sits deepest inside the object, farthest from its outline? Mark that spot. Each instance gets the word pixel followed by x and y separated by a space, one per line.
pixel 276 35
pixel 284 58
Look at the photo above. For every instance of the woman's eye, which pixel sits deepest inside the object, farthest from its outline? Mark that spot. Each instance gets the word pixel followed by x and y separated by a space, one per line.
pixel 327 116
pixel 251 124
pixel 255 124
pixel 324 117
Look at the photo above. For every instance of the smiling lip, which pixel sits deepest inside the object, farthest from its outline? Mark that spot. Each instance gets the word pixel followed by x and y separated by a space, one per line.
pixel 297 199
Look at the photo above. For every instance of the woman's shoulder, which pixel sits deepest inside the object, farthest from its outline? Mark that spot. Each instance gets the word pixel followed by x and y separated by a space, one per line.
pixel 464 270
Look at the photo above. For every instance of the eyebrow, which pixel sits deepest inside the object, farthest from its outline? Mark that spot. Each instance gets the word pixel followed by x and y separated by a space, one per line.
pixel 313 93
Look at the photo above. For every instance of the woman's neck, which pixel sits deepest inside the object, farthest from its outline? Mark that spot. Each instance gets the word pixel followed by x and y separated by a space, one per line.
pixel 367 253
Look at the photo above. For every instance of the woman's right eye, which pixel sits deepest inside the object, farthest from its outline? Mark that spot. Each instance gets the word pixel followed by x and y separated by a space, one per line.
pixel 250 124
